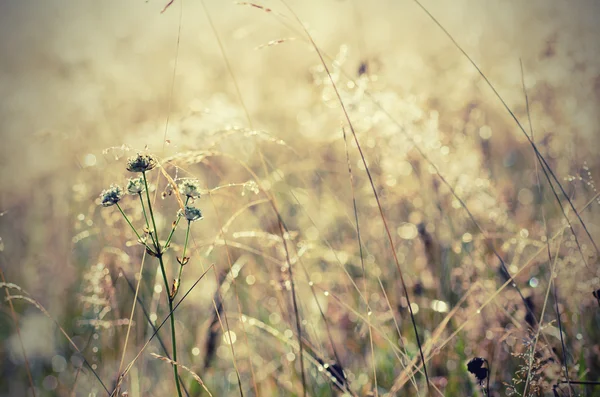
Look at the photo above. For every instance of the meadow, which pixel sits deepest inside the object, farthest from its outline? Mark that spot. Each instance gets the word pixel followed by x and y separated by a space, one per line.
pixel 285 198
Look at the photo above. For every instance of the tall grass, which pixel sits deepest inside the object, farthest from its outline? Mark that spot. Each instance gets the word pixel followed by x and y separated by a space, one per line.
pixel 397 199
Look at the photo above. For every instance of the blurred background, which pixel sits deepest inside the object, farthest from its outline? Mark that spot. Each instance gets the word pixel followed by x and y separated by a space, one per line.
pixel 236 96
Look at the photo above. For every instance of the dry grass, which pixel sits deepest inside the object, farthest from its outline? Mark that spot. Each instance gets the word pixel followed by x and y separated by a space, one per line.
pixel 315 128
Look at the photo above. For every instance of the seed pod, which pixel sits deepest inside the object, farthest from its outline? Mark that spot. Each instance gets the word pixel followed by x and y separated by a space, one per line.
pixel 174 288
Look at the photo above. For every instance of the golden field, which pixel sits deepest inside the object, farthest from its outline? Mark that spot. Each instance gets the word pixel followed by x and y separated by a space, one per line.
pixel 389 190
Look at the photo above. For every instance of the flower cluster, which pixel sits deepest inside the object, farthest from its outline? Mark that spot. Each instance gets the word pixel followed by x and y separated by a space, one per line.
pixel 141 163
pixel 190 188
pixel 111 196
pixel 135 185
pixel 191 213
pixel 149 238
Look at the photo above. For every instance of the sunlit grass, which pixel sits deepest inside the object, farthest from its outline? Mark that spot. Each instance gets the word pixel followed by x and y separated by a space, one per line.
pixel 387 208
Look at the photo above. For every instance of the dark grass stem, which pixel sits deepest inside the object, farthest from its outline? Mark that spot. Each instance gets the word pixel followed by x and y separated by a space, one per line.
pixel 219 297
pixel 45 312
pixel 430 162
pixel 282 229
pixel 362 259
pixel 170 315
pixel 487 385
pixel 148 249
pixel 22 345
pixel 580 382
pixel 548 172
pixel 247 113
pixel 382 215
pixel 147 317
pixel 551 279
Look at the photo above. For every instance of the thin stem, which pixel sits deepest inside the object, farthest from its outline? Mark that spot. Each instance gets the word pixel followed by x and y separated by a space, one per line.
pixel 168 242
pixel 154 231
pixel 18 329
pixel 183 260
pixel 150 323
pixel 172 316
pixel 175 225
pixel 579 382
pixel 130 365
pixel 133 228
pixel 187 236
pixel 146 217
pixel 489 375
pixel 159 253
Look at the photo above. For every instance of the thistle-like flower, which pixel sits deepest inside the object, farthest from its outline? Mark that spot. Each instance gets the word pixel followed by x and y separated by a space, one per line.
pixel 135 185
pixel 111 196
pixel 190 188
pixel 141 163
pixel 191 213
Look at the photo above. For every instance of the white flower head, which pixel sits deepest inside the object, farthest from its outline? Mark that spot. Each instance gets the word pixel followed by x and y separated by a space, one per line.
pixel 135 185
pixel 190 188
pixel 111 196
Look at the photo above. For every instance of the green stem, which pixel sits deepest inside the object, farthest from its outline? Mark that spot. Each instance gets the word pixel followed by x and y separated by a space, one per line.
pixel 187 236
pixel 172 317
pixel 164 274
pixel 155 231
pixel 131 226
pixel 146 218
pixel 175 226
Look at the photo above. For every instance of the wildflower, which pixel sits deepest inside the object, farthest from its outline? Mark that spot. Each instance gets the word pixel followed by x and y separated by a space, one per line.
pixel 135 185
pixel 475 366
pixel 190 188
pixel 111 196
pixel 191 213
pixel 141 163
